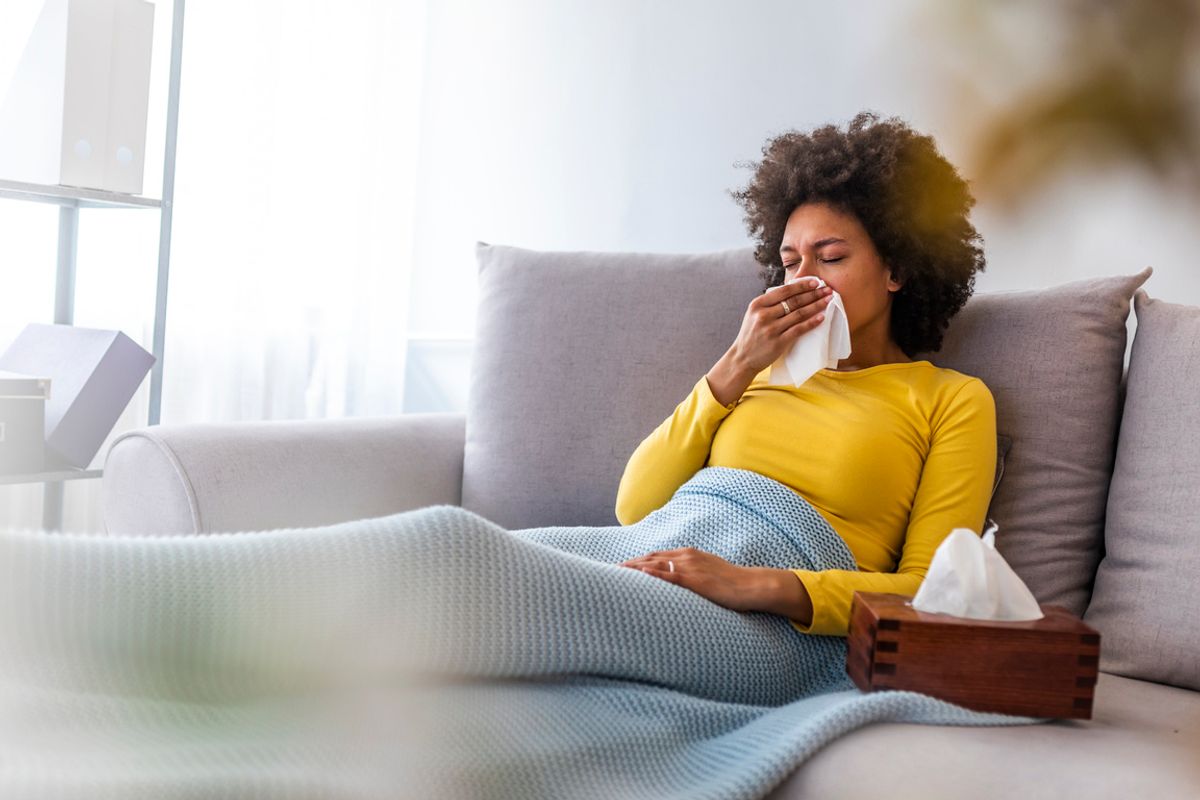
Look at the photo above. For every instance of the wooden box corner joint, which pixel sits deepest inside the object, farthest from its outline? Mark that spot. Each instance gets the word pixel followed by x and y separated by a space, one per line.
pixel 1039 668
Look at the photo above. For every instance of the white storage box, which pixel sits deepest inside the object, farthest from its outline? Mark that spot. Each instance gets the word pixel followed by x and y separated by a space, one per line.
pixel 94 372
pixel 22 422
pixel 73 107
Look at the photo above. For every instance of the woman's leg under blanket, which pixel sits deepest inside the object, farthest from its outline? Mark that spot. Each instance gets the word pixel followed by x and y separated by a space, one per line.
pixel 483 600
pixel 437 590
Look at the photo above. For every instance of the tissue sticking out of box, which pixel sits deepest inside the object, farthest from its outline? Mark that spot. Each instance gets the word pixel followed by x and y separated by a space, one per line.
pixel 969 578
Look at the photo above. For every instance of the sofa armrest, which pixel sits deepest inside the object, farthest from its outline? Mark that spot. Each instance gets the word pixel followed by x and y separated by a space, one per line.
pixel 246 476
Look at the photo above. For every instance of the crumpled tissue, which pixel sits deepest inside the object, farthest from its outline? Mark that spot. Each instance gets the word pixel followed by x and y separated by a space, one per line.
pixel 822 347
pixel 969 578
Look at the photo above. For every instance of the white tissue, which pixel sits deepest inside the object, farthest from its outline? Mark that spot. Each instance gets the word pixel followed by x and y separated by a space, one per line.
pixel 822 347
pixel 968 578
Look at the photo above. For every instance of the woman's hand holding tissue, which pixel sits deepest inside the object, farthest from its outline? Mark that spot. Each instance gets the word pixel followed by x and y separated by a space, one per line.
pixel 739 588
pixel 777 318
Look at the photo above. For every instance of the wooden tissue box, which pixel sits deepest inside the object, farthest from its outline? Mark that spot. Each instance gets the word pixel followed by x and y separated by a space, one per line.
pixel 1038 668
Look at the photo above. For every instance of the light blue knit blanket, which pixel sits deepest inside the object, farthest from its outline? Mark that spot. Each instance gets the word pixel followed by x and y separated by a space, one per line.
pixel 425 654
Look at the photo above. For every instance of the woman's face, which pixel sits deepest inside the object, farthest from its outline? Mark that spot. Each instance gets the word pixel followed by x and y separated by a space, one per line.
pixel 819 240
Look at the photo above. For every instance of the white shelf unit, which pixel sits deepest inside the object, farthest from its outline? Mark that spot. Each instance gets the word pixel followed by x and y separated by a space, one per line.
pixel 51 476
pixel 74 196
pixel 70 199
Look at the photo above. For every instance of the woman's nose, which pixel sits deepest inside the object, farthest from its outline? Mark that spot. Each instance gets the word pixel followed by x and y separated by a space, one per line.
pixel 806 272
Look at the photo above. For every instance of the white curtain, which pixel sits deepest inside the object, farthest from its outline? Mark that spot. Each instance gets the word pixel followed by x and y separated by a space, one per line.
pixel 551 125
pixel 292 236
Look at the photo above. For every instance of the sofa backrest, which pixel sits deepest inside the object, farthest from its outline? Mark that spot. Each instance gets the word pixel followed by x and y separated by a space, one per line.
pixel 579 355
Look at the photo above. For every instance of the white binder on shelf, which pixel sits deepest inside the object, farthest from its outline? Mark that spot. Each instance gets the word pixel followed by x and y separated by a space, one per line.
pixel 129 96
pixel 75 110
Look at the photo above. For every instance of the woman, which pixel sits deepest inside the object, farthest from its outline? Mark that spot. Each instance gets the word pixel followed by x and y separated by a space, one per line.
pixel 894 452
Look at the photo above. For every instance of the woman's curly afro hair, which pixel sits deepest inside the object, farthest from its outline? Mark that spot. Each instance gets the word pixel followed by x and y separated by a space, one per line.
pixel 911 201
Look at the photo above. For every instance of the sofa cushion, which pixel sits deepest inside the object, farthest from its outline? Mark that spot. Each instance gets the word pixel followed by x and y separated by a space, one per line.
pixel 1144 599
pixel 576 357
pixel 1053 359
pixel 1141 742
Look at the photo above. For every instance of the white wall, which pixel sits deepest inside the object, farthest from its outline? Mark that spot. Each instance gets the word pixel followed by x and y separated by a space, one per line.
pixel 616 126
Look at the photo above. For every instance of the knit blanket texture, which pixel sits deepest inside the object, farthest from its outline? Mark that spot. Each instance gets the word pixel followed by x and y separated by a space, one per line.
pixel 425 654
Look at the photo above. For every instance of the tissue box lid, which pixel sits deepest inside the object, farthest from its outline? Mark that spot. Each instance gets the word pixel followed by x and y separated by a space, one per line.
pixel 1039 668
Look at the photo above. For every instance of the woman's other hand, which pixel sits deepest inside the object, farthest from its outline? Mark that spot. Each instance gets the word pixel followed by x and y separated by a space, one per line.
pixel 769 329
pixel 706 574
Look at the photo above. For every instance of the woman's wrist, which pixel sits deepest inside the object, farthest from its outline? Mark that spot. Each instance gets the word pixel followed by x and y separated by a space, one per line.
pixel 780 591
pixel 729 378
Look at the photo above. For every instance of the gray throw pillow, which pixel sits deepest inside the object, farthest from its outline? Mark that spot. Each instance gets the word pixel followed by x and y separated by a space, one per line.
pixel 576 357
pixel 1053 360
pixel 1144 601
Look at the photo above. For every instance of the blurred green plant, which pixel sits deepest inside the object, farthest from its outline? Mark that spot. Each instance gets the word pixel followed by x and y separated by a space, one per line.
pixel 1092 83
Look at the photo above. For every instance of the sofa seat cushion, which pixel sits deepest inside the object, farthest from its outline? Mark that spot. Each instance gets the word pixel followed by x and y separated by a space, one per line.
pixel 1144 601
pixel 1142 741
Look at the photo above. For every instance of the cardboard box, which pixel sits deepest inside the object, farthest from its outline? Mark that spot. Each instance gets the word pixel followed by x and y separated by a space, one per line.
pixel 94 372
pixel 1038 668
pixel 22 422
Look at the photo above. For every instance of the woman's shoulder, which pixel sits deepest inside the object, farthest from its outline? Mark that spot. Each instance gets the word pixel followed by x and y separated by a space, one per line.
pixel 959 381
pixel 961 396
pixel 928 378
pixel 946 392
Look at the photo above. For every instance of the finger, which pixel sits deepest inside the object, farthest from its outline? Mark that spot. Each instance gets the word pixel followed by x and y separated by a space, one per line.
pixel 804 325
pixel 802 299
pixel 785 291
pixel 813 295
pixel 810 286
pixel 657 558
pixel 672 577
pixel 800 311
pixel 803 285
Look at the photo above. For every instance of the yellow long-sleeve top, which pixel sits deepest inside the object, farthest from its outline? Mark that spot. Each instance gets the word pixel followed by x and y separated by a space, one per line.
pixel 893 456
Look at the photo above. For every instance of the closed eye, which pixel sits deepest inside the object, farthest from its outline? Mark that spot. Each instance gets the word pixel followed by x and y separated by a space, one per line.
pixel 825 260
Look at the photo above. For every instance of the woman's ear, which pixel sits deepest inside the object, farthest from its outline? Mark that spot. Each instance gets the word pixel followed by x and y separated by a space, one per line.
pixel 894 285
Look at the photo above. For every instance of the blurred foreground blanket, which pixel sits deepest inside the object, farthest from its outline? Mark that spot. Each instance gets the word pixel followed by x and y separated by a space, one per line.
pixel 426 654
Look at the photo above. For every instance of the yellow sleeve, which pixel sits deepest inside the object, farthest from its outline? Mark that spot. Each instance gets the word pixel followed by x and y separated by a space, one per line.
pixel 671 454
pixel 954 492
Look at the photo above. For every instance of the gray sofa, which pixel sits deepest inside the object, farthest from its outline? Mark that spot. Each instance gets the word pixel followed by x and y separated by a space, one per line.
pixel 579 355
